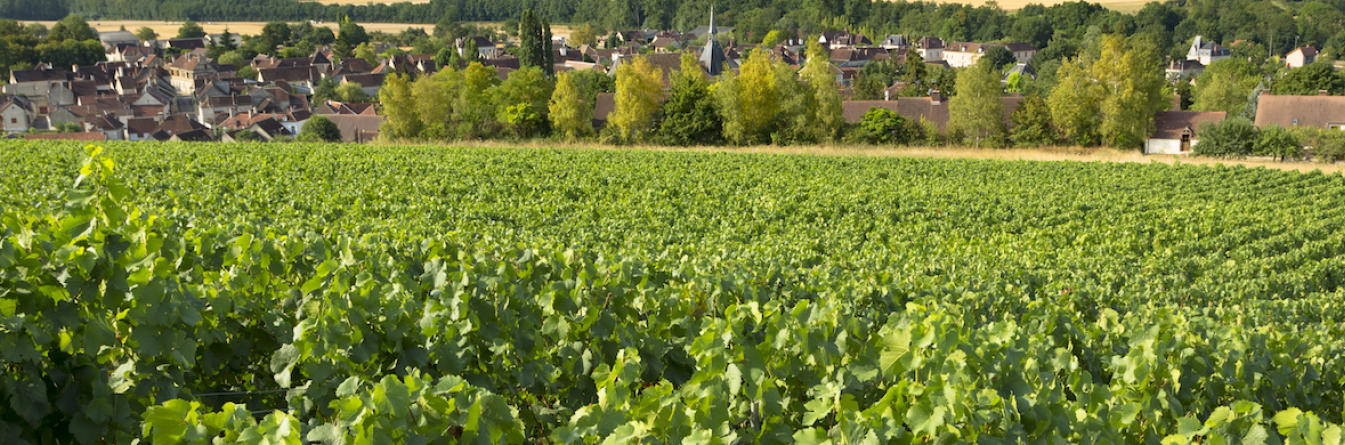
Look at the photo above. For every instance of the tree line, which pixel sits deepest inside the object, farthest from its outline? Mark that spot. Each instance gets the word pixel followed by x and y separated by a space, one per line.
pixel 1114 88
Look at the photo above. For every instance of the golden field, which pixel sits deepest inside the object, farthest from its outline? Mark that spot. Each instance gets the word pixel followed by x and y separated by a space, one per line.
pixel 1014 5
pixel 1014 154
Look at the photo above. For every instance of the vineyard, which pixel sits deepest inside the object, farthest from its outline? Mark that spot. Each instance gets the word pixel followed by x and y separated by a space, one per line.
pixel 292 294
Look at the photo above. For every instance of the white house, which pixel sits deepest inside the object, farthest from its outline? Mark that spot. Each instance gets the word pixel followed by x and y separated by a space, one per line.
pixel 1176 131
pixel 1207 52
pixel 930 49
pixel 17 113
pixel 1300 57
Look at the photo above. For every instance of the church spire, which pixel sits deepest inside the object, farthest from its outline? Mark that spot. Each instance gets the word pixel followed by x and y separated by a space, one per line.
pixel 712 22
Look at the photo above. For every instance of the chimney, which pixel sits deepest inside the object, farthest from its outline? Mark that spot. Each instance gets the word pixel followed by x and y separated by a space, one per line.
pixel 1322 93
pixel 887 94
pixel 935 98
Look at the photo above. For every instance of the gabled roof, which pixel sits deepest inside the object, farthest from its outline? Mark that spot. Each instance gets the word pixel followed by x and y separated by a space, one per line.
pixel 290 74
pixel 192 136
pixel 365 80
pixel 179 123
pixel 82 136
pixel 41 75
pixel 1171 124
pixel 603 107
pixel 141 125
pixel 356 128
pixel 917 108
pixel 1306 51
pixel 1305 111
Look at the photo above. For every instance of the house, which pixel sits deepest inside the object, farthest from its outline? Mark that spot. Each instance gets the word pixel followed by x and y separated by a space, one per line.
pixel 357 128
pixel 1307 111
pixel 933 109
pixel 110 39
pixel 178 123
pixel 1207 52
pixel 139 129
pixel 17 112
pixel 37 81
pixel 192 136
pixel 1183 69
pixel 603 107
pixel 960 54
pixel 109 125
pixel 930 49
pixel 1022 69
pixel 895 41
pixel 1300 57
pixel 300 78
pixel 842 39
pixel 187 71
pixel 369 83
pixel 1176 131
pixel 186 44
pixel 484 46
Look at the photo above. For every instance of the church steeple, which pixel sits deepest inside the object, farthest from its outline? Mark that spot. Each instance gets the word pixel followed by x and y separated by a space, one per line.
pixel 712 22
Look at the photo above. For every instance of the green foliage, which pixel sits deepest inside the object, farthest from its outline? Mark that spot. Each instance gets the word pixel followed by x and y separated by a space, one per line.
pixel 639 91
pixel 883 126
pixel 351 93
pixel 977 111
pixel 689 117
pixel 423 295
pixel 1277 142
pixel 319 129
pixel 521 101
pixel 1000 57
pixel 1225 86
pixel 571 111
pixel 190 30
pixel 1309 80
pixel 749 100
pixel 72 27
pixel 1032 125
pixel 1234 137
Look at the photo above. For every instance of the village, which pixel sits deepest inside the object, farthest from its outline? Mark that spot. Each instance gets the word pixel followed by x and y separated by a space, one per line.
pixel 169 90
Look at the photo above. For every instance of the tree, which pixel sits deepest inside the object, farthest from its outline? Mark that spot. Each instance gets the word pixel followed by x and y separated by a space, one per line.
pixel 639 88
pixel 444 59
pixel 1015 83
pixel 1074 102
pixel 1277 142
pixel 1232 137
pixel 349 36
pixel 1032 123
pixel 72 27
pixel 976 110
pixel 689 115
pixel 548 56
pixel 190 30
pixel 530 41
pixel 470 53
pixel 823 119
pixel 571 112
pixel 274 34
pixel 999 57
pixel 319 129
pixel 521 101
pixel 772 38
pixel 1224 86
pixel 748 101
pixel 1133 90
pixel 351 93
pixel 881 126
pixel 325 90
pixel 1309 80
pixel 366 51
pixel 914 71
pixel 403 120
pixel 584 34
pixel 146 33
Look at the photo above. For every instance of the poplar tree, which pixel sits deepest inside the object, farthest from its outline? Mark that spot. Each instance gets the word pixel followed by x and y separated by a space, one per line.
pixel 571 112
pixel 976 110
pixel 826 118
pixel 639 87
pixel 1133 89
pixel 1074 102
pixel 403 120
pixel 748 101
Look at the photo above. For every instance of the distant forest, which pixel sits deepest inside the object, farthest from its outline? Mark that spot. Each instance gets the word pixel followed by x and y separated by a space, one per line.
pixel 1274 26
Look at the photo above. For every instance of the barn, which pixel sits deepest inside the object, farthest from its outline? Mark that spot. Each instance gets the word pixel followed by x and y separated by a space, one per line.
pixel 1175 131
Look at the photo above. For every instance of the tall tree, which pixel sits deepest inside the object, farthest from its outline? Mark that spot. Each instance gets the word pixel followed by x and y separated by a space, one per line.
pixel 976 111
pixel 521 101
pixel 530 40
pixel 1131 77
pixel 145 33
pixel 1225 85
pixel 403 119
pixel 748 101
pixel 571 113
pixel 825 119
pixel 639 87
pixel 689 115
pixel 548 56
pixel 1032 123
pixel 72 27
pixel 1074 102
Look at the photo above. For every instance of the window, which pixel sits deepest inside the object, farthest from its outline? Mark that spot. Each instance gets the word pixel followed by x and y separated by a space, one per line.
pixel 13 120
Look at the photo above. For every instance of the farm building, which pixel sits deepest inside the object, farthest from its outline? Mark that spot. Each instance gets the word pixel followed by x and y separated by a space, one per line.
pixel 1175 132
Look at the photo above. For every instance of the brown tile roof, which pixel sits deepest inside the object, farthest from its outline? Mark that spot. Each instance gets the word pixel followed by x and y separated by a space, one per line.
pixel 1307 111
pixel 41 75
pixel 141 125
pixel 357 128
pixel 1171 124
pixel 179 123
pixel 290 74
pixel 192 136
pixel 603 107
pixel 365 80
pixel 82 136
pixel 916 108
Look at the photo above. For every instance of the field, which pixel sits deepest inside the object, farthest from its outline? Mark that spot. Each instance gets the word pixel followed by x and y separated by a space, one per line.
pixel 378 294
pixel 169 29
pixel 1128 6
